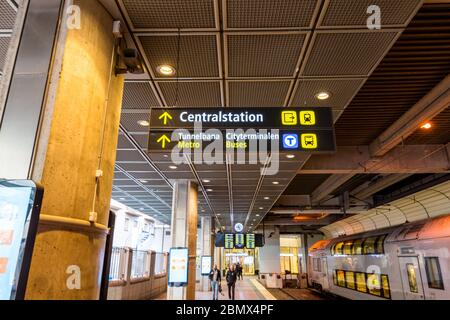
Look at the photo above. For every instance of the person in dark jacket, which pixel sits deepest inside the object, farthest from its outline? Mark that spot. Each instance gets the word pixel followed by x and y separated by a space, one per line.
pixel 231 281
pixel 239 271
pixel 215 278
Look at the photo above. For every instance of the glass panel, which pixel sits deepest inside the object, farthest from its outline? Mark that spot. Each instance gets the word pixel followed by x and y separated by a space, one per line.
pixel 341 278
pixel 338 248
pixel 333 252
pixel 334 278
pixel 412 278
pixel 350 279
pixel 434 275
pixel 357 246
pixel 361 282
pixel 373 283
pixel 348 247
pixel 379 249
pixel 385 284
pixel 369 245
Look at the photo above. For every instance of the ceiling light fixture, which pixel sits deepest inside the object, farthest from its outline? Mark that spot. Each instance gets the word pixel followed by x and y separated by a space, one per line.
pixel 275 182
pixel 290 156
pixel 206 181
pixel 323 95
pixel 173 167
pixel 209 190
pixel 257 215
pixel 122 199
pixel 260 208
pixel 143 123
pixel 266 198
pixel 165 70
pixel 426 126
pixel 144 181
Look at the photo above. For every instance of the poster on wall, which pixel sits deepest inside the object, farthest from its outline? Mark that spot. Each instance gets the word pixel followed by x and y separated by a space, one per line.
pixel 206 265
pixel 178 267
pixel 20 202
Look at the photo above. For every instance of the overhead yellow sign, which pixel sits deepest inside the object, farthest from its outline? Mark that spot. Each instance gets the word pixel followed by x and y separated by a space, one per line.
pixel 163 140
pixel 289 118
pixel 164 117
pixel 309 141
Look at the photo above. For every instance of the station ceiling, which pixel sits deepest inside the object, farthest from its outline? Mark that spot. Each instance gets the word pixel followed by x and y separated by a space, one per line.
pixel 235 53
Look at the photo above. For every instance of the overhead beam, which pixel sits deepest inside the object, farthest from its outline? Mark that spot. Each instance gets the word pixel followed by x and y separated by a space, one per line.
pixel 433 103
pixel 323 191
pixel 401 159
pixel 336 210
pixel 380 184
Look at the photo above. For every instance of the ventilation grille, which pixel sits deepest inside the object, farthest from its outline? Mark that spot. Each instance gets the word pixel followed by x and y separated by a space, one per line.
pixel 347 54
pixel 270 13
pixel 198 54
pixel 4 45
pixel 171 14
pixel 130 121
pixel 264 55
pixel 7 15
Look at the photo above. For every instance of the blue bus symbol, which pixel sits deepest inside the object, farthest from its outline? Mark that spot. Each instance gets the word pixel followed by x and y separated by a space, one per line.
pixel 290 141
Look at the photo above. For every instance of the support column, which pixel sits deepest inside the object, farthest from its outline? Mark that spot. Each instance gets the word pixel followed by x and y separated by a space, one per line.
pixel 184 233
pixel 206 248
pixel 78 136
pixel 269 259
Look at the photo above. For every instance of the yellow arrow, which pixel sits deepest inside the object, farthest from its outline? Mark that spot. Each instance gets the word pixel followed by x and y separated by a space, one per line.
pixel 165 116
pixel 163 139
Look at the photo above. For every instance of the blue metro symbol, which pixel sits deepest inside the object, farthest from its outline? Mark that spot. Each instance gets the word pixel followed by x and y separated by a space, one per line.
pixel 290 141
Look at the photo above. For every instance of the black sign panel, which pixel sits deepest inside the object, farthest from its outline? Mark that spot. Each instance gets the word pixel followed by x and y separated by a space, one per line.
pixel 229 241
pixel 314 118
pixel 250 241
pixel 286 140
pixel 239 242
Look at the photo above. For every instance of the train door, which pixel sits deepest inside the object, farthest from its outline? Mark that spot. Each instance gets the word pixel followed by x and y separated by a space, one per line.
pixel 325 283
pixel 411 279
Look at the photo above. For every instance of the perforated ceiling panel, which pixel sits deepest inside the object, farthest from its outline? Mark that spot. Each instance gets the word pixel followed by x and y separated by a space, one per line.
pixel 139 95
pixel 354 13
pixel 198 54
pixel 265 14
pixel 258 93
pixel 341 92
pixel 7 15
pixel 4 44
pixel 194 94
pixel 347 54
pixel 264 55
pixel 130 121
pixel 171 14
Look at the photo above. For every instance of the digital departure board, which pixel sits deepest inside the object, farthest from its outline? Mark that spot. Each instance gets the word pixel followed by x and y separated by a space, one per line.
pixel 250 241
pixel 229 241
pixel 239 242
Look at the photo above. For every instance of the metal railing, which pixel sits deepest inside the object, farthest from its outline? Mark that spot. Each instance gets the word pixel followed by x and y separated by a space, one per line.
pixel 160 263
pixel 140 264
pixel 118 269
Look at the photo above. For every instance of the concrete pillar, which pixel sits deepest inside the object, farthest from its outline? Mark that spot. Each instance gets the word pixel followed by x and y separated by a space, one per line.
pixel 269 258
pixel 206 248
pixel 184 233
pixel 78 137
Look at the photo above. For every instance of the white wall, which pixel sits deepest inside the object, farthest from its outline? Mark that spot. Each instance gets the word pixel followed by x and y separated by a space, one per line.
pixel 269 254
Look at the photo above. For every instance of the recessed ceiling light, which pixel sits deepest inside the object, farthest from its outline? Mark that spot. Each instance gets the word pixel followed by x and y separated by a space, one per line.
pixel 426 126
pixel 143 123
pixel 206 181
pixel 323 95
pixel 275 182
pixel 141 209
pixel 173 167
pixel 257 215
pixel 144 181
pixel 203 210
pixel 266 198
pixel 165 70
pixel 121 198
pixel 219 214
pixel 209 190
pixel 290 156
pixel 165 156
pixel 260 208
pixel 254 219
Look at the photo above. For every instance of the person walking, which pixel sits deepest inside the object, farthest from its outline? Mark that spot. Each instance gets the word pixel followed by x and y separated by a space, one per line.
pixel 231 281
pixel 215 278
pixel 239 272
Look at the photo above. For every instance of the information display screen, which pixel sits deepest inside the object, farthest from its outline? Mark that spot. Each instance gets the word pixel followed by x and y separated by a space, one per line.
pixel 250 241
pixel 229 241
pixel 239 242
pixel 18 200
pixel 206 265
pixel 178 267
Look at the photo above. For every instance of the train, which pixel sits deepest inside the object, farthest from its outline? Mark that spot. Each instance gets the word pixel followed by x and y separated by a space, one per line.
pixel 406 262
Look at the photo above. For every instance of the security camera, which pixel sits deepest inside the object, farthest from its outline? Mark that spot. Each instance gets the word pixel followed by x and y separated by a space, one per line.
pixel 131 62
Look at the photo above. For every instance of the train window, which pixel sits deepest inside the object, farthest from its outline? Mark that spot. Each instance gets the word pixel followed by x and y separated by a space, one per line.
pixel 385 285
pixel 379 248
pixel 361 284
pixel 341 278
pixel 434 275
pixel 332 249
pixel 316 264
pixel 373 283
pixel 412 278
pixel 335 278
pixel 369 245
pixel 348 247
pixel 338 248
pixel 357 246
pixel 350 279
